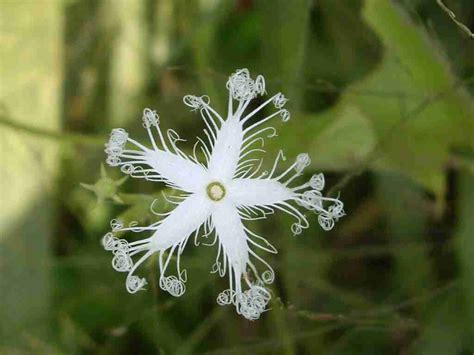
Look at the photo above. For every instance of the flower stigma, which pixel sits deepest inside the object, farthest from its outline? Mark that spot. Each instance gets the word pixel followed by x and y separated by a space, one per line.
pixel 215 191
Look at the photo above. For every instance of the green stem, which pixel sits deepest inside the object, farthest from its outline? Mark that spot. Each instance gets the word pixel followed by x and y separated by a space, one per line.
pixel 60 137
pixel 452 15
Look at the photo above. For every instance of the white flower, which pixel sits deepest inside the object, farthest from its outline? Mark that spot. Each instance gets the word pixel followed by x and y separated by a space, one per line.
pixel 217 196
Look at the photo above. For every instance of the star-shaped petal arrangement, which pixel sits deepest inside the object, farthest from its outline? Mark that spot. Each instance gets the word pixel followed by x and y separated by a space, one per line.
pixel 217 196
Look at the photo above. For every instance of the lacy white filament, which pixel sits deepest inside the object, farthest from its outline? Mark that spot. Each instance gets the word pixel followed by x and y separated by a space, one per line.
pixel 223 185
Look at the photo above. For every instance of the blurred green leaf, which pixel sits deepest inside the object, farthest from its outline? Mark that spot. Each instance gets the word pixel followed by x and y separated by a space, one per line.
pixel 347 139
pixel 421 140
pixel 283 42
pixel 444 328
pixel 405 222
pixel 405 116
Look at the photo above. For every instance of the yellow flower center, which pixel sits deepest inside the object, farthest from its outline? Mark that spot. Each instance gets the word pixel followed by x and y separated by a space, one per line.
pixel 215 191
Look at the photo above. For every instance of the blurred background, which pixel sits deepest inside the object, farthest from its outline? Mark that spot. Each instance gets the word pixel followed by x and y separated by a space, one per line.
pixel 381 98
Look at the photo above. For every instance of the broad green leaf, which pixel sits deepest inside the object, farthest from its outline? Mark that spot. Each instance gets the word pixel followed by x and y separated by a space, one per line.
pixel 333 147
pixel 410 111
pixel 416 142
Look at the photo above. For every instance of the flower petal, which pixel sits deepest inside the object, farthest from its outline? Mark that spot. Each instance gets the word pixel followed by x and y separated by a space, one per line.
pixel 172 167
pixel 183 220
pixel 253 192
pixel 226 152
pixel 232 236
pixel 180 172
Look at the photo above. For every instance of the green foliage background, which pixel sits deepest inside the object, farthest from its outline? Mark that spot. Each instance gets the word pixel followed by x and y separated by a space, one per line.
pixel 381 98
